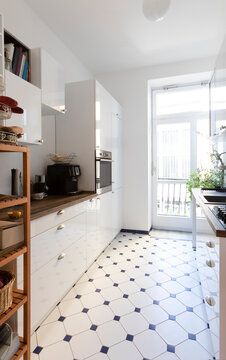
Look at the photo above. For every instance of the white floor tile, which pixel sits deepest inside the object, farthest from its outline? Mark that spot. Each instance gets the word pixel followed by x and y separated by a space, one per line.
pixel 134 323
pixel 158 293
pixel 77 323
pixel 111 293
pixel 85 344
pixel 123 351
pixel 121 306
pixel 129 287
pixel 99 356
pixel 85 288
pixel 50 333
pixel 145 282
pixel 154 314
pixel 168 356
pixel 191 322
pixel 70 307
pixel 171 332
pixel 111 333
pixel 187 282
pixel 58 351
pixel 101 314
pixel 140 299
pixel 91 300
pixel 82 279
pixel 173 287
pixel 53 316
pixel 70 295
pixel 190 349
pixel 189 299
pixel 203 338
pixel 150 344
pixel 102 283
pixel 119 277
pixel 34 357
pixel 172 306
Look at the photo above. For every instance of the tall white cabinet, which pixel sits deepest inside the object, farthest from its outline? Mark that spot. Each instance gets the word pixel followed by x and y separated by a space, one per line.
pixel 94 121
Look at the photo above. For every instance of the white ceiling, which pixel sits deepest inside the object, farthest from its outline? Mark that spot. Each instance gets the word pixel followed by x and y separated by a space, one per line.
pixel 109 35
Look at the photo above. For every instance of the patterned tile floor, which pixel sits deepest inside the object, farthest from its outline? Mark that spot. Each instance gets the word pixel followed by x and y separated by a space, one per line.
pixel 140 300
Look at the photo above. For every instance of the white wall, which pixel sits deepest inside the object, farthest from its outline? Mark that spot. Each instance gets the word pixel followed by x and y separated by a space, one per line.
pixel 130 88
pixel 25 25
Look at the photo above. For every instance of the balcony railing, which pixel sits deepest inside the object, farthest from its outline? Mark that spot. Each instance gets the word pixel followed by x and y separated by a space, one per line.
pixel 172 198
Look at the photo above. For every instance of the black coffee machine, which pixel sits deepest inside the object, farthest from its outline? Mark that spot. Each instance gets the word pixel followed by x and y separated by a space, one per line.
pixel 62 179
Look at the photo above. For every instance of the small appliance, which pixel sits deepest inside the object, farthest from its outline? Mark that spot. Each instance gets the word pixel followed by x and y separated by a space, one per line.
pixel 62 179
pixel 103 171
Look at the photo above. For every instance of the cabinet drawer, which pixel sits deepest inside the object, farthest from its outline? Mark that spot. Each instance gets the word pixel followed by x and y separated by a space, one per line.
pixel 47 245
pixel 50 283
pixel 47 222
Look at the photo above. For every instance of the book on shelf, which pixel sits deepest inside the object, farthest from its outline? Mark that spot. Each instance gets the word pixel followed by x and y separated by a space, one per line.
pixel 19 61
pixel 24 76
pixel 24 57
pixel 15 59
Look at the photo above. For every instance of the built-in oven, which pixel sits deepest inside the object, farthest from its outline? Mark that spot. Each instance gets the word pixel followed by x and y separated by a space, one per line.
pixel 103 171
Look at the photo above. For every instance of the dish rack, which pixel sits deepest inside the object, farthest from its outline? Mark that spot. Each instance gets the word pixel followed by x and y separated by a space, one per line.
pixel 8 137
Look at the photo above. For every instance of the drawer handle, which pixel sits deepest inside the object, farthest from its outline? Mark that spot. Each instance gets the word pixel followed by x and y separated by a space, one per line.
pixel 210 263
pixel 210 244
pixel 60 227
pixel 91 200
pixel 61 256
pixel 60 212
pixel 210 301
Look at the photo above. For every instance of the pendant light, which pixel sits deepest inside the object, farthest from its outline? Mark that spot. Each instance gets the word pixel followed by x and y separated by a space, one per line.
pixel 155 10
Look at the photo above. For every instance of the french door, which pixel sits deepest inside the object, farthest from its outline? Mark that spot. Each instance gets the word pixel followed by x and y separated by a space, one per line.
pixel 180 145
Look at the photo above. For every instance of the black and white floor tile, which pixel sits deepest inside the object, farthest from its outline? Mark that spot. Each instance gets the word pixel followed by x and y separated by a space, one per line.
pixel 140 300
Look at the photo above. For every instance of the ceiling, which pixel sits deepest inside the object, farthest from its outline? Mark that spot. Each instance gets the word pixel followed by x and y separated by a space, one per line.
pixel 111 35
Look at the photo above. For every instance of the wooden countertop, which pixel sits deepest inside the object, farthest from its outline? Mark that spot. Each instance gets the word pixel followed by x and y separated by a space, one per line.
pixel 51 204
pixel 218 229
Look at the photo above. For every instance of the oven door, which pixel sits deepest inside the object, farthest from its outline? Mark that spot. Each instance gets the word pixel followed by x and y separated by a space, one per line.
pixel 103 175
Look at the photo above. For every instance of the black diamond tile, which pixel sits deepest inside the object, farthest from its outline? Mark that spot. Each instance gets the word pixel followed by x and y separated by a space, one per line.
pixel 192 336
pixel 158 284
pixel 155 302
pixel 152 327
pixel 97 290
pixel 173 296
pixel 90 280
pixel 131 279
pixel 116 318
pixel 107 275
pixel 85 310
pixel 78 297
pixel 172 317
pixel 137 267
pixel 128 259
pixel 173 279
pixel 100 267
pixel 137 310
pixel 67 338
pixel 116 285
pixel 125 296
pixel 61 318
pixel 104 349
pixel 129 337
pixel 190 309
pixel 115 263
pixel 37 350
pixel 171 348
pixel 106 302
pixel 123 271
pixel 142 289
pixel 93 327
pixel 147 274
pixel 187 289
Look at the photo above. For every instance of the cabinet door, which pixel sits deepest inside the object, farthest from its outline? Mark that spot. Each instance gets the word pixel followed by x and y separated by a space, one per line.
pixel 91 231
pixel 29 98
pixel 50 283
pixel 116 152
pixel 104 220
pixel 103 118
pixel 116 212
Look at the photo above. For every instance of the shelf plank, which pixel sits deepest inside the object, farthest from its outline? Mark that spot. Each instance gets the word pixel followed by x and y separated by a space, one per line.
pixel 22 350
pixel 19 299
pixel 12 148
pixel 11 200
pixel 12 255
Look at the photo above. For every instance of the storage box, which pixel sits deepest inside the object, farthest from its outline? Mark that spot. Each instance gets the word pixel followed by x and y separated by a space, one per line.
pixel 11 233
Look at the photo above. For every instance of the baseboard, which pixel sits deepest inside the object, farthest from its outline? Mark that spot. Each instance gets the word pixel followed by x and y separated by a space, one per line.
pixel 133 231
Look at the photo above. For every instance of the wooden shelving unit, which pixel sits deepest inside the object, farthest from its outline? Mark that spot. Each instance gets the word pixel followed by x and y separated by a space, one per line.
pixel 20 297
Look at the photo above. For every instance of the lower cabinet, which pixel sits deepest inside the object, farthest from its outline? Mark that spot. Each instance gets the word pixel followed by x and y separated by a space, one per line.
pixel 53 280
pixel 61 254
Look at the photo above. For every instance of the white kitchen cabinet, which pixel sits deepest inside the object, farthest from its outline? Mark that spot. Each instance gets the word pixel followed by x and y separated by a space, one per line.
pixel 2 57
pixel 92 249
pixel 49 77
pixel 29 98
pixel 116 212
pixel 104 219
pixel 117 170
pixel 87 126
pixel 103 118
pixel 50 283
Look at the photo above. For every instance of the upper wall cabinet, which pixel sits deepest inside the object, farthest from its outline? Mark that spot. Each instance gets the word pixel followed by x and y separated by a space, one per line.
pixel 49 77
pixel 103 118
pixel 29 98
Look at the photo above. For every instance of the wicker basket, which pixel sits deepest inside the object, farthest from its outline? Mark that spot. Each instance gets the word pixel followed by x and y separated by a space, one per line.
pixel 6 293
